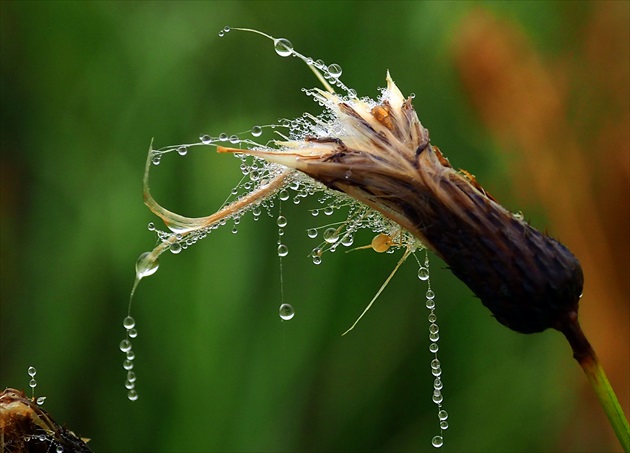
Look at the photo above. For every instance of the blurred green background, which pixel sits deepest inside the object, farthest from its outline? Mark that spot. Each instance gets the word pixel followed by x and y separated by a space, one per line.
pixel 87 85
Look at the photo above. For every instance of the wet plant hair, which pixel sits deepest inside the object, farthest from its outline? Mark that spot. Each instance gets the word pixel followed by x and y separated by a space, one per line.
pixel 375 157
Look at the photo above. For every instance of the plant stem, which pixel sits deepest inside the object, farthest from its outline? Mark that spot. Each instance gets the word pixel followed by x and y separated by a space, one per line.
pixel 586 357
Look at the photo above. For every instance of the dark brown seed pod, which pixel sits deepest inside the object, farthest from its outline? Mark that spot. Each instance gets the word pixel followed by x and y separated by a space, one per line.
pixel 26 427
pixel 383 158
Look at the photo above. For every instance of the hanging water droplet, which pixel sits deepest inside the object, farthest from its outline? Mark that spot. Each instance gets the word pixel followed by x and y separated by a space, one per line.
pixel 221 34
pixel 283 250
pixel 256 131
pixel 151 226
pixel 334 70
pixel 130 354
pixel 317 259
pixel 329 210
pixel 146 265
pixel 283 47
pixel 59 449
pixel 133 333
pixel 436 371
pixel 430 294
pixel 156 159
pixel 205 139
pixel 128 364
pixel 129 323
pixel 281 221
pixel 283 195
pixel 434 336
pixel 286 312
pixel 125 345
pixel 32 371
pixel 175 248
pixel 41 400
pixel 432 317
pixel 226 29
pixel 437 441
pixel 223 137
pixel 435 364
pixel 433 347
pixel 437 397
pixel 423 273
pixel 312 233
pixel 132 395
pixel 442 414
pixel 32 383
pixel 437 385
pixel 444 425
pixel 331 236
pixel 182 150
pixel 129 385
pixel 434 328
pixel 131 376
pixel 430 304
pixel 234 139
pixel 315 212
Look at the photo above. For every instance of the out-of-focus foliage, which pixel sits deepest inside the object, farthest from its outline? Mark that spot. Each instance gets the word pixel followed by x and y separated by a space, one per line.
pixel 84 88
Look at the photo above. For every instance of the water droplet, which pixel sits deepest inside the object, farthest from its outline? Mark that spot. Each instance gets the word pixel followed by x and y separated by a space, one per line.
pixel 41 400
pixel 205 139
pixel 436 372
pixel 130 354
pixel 315 212
pixel 223 137
pixel 131 376
pixel 221 34
pixel 430 295
pixel 433 347
pixel 175 248
pixel 443 425
pixel 331 236
pixel 146 265
pixel 129 385
pixel 32 383
pixel 437 397
pixel 434 337
pixel 125 345
pixel 226 29
pixel 129 323
pixel 234 139
pixel 286 312
pixel 128 364
pixel 59 449
pixel 442 414
pixel 317 259
pixel 32 371
pixel 434 328
pixel 132 395
pixel 234 230
pixel 256 131
pixel 281 221
pixel 182 150
pixel 133 333
pixel 151 226
pixel 284 195
pixel 280 233
pixel 283 250
pixel 334 70
pixel 156 160
pixel 312 233
pixel 329 210
pixel 435 364
pixel 423 273
pixel 430 304
pixel 437 385
pixel 432 317
pixel 283 47
pixel 437 441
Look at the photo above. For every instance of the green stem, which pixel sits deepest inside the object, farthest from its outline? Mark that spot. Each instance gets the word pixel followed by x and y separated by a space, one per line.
pixel 586 357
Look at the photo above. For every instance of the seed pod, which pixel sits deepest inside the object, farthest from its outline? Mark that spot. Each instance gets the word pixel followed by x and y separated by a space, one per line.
pixel 383 158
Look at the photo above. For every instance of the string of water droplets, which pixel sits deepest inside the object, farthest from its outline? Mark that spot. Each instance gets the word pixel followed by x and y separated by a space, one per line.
pixel 285 311
pixel 32 383
pixel 436 368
